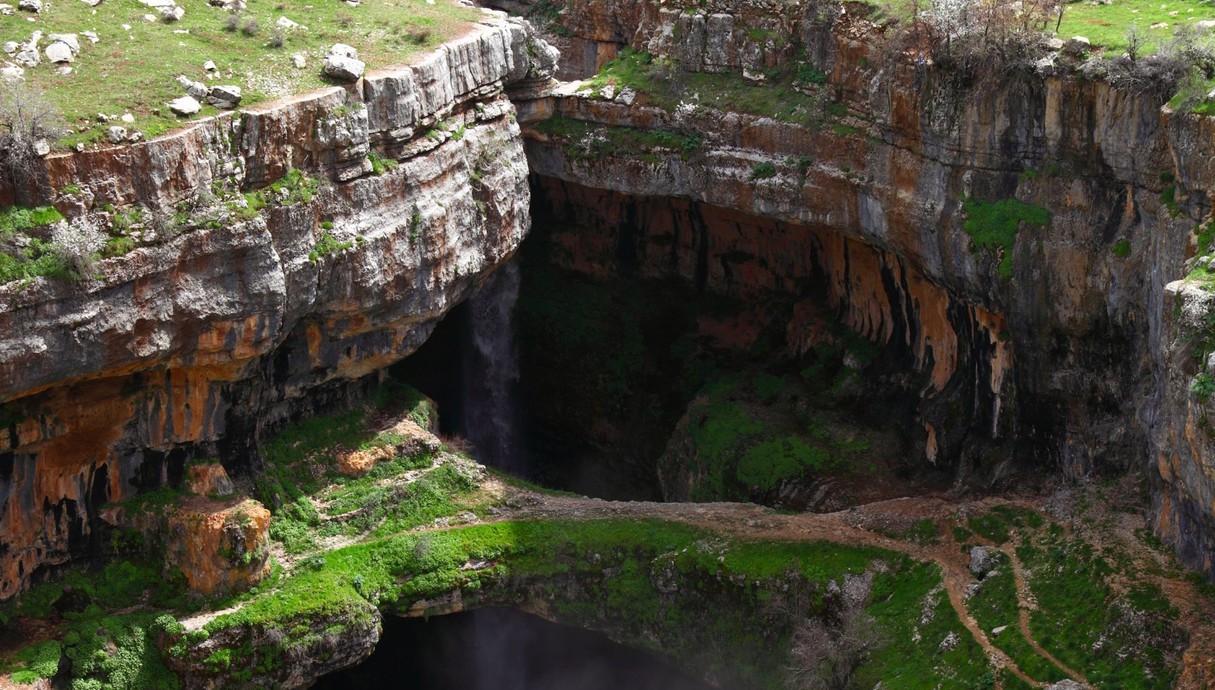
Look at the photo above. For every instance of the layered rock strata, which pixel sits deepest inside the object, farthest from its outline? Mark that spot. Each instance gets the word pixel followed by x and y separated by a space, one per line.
pixel 197 346
pixel 1052 347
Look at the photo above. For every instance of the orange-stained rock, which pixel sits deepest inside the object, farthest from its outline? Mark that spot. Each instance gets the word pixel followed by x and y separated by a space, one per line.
pixel 405 438
pixel 219 545
pixel 195 347
pixel 208 479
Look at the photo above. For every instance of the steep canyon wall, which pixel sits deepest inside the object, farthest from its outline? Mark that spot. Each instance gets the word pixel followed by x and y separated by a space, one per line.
pixel 199 345
pixel 1054 343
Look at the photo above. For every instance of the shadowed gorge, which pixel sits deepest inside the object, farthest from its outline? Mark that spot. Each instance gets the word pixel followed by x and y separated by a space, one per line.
pixel 804 345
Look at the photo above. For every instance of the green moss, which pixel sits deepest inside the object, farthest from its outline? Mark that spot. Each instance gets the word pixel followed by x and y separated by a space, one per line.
pixel 766 465
pixel 1121 249
pixel 380 164
pixel 15 219
pixel 994 225
pixel 763 171
pixel 1169 198
pixel 328 244
pixel 588 141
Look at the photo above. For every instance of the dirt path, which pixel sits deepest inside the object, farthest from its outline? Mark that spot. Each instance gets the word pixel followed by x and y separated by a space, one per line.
pixel 1026 604
pixel 753 522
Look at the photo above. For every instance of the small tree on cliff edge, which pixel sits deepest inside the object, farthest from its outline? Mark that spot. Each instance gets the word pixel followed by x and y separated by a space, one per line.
pixel 28 125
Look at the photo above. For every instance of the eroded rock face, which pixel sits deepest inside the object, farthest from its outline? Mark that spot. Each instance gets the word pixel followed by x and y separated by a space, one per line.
pixel 1080 369
pixel 198 346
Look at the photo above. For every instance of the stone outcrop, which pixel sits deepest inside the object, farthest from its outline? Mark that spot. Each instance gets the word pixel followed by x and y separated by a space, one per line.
pixel 197 346
pixel 1061 359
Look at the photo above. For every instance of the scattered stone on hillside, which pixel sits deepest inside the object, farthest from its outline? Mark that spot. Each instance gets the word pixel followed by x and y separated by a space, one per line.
pixel 42 147
pixel 1068 684
pixel 116 134
pixel 950 642
pixel 103 118
pixel 185 106
pixel 6 9
pixel 92 36
pixel 209 65
pixel 1205 25
pixel 65 70
pixel 59 52
pixel 299 61
pixel 11 73
pixel 285 23
pixel 127 118
pixel 1054 43
pixel 995 632
pixel 69 40
pixel 28 55
pixel 225 97
pixel 197 89
pixel 135 137
pixel 982 561
pixel 92 3
pixel 1077 45
pixel 1159 25
pixel 11 47
pixel 172 14
pixel 342 63
pixel 627 96
pixel 30 5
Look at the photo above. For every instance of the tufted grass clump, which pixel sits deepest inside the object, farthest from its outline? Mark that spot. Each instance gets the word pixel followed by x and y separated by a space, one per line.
pixel 994 225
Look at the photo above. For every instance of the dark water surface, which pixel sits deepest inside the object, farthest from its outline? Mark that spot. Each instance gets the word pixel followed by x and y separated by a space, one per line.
pixel 503 649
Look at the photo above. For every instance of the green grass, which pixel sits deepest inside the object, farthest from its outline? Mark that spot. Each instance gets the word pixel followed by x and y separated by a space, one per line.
pixel 588 141
pixel 994 225
pixel 1115 640
pixel 726 618
pixel 996 525
pixel 1106 25
pixel 665 85
pixel 995 605
pixel 135 70
pixel 328 244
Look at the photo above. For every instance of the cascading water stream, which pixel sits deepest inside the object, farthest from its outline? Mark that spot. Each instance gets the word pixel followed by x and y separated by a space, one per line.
pixel 491 372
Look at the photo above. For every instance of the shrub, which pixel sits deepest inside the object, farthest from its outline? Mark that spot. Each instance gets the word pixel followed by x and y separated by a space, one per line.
pixel 763 171
pixel 28 124
pixel 78 244
pixel 1203 386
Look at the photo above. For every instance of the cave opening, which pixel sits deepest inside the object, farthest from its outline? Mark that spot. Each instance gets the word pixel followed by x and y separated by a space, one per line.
pixel 673 350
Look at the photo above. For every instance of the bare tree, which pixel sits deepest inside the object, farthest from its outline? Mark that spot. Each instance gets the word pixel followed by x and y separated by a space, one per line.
pixel 828 649
pixel 29 124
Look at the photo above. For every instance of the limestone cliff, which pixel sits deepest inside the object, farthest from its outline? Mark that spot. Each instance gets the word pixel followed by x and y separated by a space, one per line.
pixel 195 346
pixel 1050 348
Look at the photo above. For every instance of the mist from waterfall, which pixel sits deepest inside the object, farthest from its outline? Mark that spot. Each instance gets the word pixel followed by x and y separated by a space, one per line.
pixel 491 372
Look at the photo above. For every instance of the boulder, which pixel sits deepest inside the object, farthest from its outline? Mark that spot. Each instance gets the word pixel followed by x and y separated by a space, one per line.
pixel 343 68
pixel 11 73
pixel 30 5
pixel 1077 45
pixel 116 134
pixel 197 89
pixel 226 97
pixel 28 56
pixel 58 52
pixel 982 561
pixel 185 106
pixel 69 39
pixel 344 51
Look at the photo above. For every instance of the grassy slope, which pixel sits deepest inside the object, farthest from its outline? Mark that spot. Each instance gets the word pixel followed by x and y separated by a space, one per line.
pixel 136 69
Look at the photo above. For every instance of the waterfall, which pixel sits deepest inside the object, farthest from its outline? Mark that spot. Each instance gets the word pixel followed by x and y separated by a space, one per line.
pixel 491 372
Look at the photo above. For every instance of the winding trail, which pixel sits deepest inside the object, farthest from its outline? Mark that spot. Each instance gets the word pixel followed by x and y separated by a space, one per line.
pixel 754 522
pixel 1026 604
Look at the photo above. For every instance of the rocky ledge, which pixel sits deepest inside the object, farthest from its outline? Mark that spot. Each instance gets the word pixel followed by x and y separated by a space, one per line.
pixel 312 242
